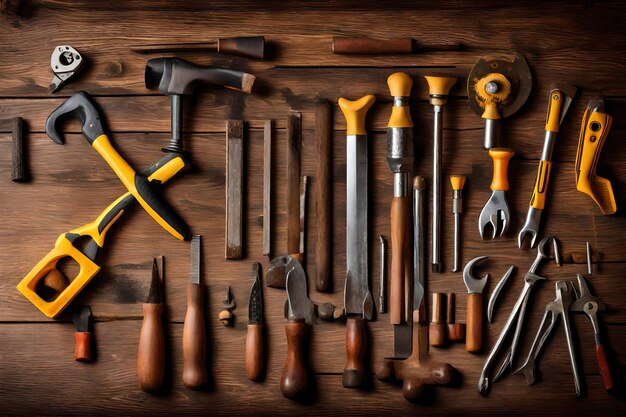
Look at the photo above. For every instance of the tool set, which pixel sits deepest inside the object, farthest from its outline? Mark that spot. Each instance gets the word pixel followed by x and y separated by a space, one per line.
pixel 497 87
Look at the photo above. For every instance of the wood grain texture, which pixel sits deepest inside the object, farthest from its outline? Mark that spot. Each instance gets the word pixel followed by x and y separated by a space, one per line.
pixel 576 43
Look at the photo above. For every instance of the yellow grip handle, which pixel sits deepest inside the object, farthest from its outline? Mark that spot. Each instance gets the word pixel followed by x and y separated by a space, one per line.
pixel 355 112
pixel 555 106
pixel 538 198
pixel 400 84
pixel 457 181
pixel 501 157
pixel 439 88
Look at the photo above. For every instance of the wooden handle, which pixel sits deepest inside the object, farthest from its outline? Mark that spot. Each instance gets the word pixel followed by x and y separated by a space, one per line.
pixel 323 198
pixel 194 340
pixel 294 381
pixel 355 374
pixel 501 157
pixel 151 352
pixel 346 45
pixel 399 216
pixel 413 389
pixel 254 352
pixel 294 148
pixel 474 327
pixel 82 351
pixel 18 160
pixel 605 371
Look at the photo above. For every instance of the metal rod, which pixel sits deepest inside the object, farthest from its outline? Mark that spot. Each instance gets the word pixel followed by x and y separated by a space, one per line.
pixel 437 166
pixel 589 270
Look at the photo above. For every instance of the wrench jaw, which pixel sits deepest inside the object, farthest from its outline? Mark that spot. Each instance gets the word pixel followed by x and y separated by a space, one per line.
pixel 531 227
pixel 496 213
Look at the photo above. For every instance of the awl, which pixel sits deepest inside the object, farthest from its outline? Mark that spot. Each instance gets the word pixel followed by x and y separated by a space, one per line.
pixel 358 303
pixel 194 337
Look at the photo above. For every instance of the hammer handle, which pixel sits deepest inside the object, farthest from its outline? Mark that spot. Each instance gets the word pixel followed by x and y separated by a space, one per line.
pixel 194 340
pixel 354 374
pixel 254 352
pixel 294 381
pixel 474 328
pixel 399 217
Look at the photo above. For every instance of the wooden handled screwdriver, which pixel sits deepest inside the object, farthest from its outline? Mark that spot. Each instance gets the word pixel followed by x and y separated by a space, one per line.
pixel 194 337
pixel 400 160
pixel 151 351
pixel 248 46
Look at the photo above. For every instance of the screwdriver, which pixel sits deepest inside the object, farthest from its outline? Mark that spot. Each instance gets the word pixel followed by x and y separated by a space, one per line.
pixel 194 338
pixel 151 351
pixel 458 182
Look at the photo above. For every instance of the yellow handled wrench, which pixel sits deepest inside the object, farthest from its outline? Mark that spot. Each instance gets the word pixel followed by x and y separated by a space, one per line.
pixel 81 106
pixel 559 101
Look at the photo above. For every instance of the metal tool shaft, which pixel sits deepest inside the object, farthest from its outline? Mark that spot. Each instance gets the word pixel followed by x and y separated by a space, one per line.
pixel 437 168
pixel 419 261
pixel 382 295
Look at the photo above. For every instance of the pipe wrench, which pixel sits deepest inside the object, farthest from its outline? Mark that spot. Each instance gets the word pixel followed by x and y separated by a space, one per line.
pixel 81 106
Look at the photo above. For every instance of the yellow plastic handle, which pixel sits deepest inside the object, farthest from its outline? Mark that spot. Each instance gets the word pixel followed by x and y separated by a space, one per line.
pixel 501 158
pixel 400 85
pixel 62 249
pixel 439 88
pixel 538 198
pixel 555 106
pixel 457 181
pixel 594 130
pixel 355 112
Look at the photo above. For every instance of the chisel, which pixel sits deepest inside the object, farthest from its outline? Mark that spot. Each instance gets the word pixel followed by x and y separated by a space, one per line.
pixel 369 46
pixel 151 351
pixel 234 189
pixel 358 301
pixel 323 197
pixel 247 46
pixel 194 337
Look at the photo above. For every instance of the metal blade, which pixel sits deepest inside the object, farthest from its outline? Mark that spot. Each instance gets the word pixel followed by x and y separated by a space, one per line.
pixel 357 296
pixel 419 201
pixel 194 274
pixel 298 306
pixel 255 302
pixel 82 314
pixel 569 91
pixel 403 339
pixel 155 296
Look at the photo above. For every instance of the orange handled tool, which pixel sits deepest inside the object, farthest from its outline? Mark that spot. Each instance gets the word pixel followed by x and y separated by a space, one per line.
pixel 475 288
pixel 82 351
pixel 496 210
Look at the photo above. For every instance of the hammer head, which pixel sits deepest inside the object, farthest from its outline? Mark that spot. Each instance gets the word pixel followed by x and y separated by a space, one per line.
pixel 177 76
pixel 82 107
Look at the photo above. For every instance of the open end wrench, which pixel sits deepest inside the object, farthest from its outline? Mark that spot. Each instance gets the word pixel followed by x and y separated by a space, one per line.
pixel 518 309
pixel 496 211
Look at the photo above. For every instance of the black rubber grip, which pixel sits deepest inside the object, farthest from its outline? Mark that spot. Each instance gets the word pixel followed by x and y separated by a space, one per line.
pixel 152 194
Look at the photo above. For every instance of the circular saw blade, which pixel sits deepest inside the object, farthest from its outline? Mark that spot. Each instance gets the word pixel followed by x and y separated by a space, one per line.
pixel 514 68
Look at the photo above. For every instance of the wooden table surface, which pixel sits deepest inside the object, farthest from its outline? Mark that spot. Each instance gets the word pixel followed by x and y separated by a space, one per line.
pixel 581 43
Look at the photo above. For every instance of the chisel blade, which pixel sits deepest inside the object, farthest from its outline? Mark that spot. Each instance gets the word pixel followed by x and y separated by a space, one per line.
pixel 194 273
pixel 155 295
pixel 357 296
